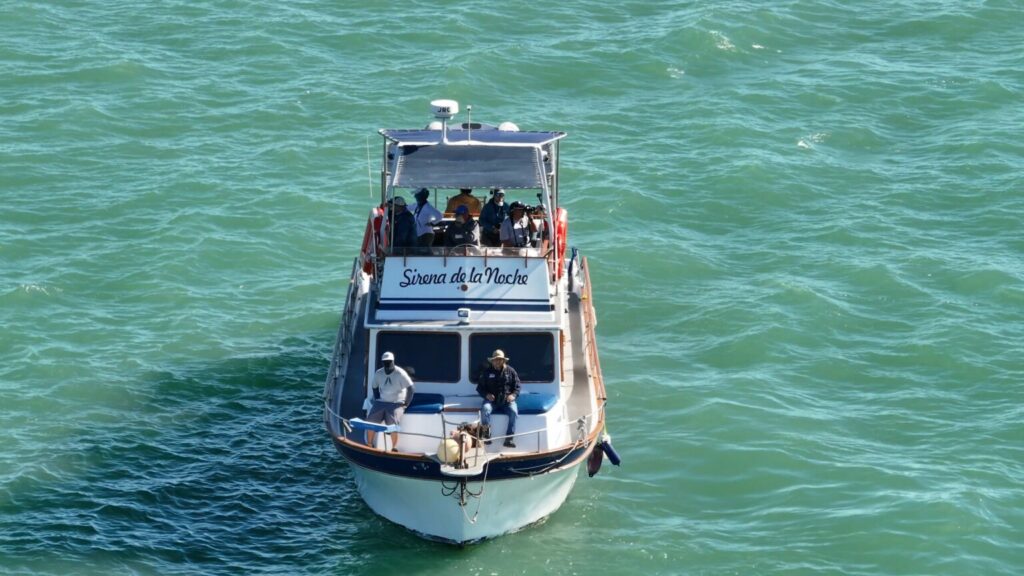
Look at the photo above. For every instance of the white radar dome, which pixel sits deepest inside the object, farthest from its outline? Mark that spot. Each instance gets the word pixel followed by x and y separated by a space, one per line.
pixel 508 127
pixel 444 109
pixel 435 125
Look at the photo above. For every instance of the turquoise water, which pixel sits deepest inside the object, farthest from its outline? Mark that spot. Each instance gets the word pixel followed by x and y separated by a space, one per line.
pixel 804 222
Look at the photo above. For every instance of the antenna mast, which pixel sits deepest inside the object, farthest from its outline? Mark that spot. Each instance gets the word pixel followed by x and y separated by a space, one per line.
pixel 444 110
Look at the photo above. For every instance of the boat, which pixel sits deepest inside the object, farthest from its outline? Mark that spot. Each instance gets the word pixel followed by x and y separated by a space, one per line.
pixel 442 312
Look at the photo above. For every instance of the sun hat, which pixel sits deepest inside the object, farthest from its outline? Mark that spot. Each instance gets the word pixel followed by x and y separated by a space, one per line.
pixel 499 353
pixel 387 357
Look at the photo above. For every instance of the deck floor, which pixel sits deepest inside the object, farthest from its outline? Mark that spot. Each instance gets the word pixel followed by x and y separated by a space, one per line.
pixel 576 387
pixel 353 390
pixel 579 401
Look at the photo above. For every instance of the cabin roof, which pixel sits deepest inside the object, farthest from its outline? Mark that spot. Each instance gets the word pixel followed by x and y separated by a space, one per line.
pixel 477 166
pixel 481 136
pixel 484 157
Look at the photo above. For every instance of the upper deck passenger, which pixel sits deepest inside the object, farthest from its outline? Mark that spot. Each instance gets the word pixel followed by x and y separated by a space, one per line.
pixel 463 231
pixel 465 198
pixel 404 225
pixel 426 216
pixel 494 213
pixel 517 229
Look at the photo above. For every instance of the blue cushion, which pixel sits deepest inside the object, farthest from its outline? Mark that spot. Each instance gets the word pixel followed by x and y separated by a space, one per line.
pixel 423 403
pixel 535 403
pixel 360 424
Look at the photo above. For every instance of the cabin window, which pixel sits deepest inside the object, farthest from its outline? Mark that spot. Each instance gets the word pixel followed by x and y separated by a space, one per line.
pixel 426 356
pixel 531 354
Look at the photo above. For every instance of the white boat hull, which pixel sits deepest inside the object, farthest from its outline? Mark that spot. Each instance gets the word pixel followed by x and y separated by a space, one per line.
pixel 504 506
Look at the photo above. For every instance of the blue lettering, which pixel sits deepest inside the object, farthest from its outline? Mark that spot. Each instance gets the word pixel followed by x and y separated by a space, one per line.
pixel 413 277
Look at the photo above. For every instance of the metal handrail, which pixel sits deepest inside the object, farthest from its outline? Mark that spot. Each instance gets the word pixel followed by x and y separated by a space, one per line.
pixel 587 419
pixel 488 251
pixel 341 345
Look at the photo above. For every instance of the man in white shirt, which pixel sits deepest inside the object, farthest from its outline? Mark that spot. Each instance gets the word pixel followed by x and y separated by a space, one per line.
pixel 517 228
pixel 426 216
pixel 393 390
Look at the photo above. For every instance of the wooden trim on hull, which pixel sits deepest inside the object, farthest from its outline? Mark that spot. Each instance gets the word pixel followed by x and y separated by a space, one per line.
pixel 590 318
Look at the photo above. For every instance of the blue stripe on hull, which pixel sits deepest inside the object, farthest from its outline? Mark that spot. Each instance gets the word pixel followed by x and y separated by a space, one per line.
pixel 475 305
pixel 471 300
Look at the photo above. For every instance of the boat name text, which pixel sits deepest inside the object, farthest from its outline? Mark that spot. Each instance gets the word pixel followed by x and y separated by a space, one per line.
pixel 489 275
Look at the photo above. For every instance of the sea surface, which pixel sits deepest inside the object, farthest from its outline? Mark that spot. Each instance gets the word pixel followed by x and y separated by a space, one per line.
pixel 804 219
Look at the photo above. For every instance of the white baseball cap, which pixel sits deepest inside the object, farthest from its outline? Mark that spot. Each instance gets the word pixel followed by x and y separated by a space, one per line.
pixel 387 357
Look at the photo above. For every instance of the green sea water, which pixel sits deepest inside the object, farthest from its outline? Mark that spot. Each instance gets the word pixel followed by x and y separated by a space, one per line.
pixel 805 224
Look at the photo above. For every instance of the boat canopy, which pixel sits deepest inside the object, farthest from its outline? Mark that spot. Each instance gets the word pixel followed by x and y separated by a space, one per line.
pixel 444 166
pixel 470 158
pixel 480 136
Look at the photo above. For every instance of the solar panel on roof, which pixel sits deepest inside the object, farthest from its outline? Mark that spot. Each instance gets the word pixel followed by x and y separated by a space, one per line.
pixel 440 166
pixel 481 136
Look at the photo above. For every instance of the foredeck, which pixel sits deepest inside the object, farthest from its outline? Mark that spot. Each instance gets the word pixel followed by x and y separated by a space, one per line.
pixel 577 383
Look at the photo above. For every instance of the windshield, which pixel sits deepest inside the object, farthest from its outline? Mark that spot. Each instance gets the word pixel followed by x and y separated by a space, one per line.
pixel 532 354
pixel 426 356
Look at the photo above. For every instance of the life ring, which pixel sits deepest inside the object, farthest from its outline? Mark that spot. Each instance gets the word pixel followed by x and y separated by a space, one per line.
pixel 370 236
pixel 562 235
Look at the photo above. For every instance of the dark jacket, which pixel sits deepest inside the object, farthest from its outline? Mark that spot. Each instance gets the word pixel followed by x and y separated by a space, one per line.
pixel 501 383
pixel 493 215
pixel 458 233
pixel 405 230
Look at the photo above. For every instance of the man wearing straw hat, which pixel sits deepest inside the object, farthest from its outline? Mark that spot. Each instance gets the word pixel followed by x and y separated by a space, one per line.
pixel 499 386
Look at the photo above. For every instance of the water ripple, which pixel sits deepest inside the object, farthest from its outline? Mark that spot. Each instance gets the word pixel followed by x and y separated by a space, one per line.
pixel 803 232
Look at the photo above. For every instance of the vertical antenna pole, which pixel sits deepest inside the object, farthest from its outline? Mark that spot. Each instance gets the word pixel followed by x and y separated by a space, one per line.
pixel 369 169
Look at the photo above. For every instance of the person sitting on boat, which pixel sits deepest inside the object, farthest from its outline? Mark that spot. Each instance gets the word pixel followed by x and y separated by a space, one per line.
pixel 426 216
pixel 498 383
pixel 465 198
pixel 494 213
pixel 463 231
pixel 393 390
pixel 517 229
pixel 543 236
pixel 404 225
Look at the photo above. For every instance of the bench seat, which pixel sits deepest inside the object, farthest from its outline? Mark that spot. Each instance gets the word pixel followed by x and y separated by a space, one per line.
pixel 535 403
pixel 425 403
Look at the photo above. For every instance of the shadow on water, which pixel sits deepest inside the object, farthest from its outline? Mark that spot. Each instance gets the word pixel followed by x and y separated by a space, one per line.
pixel 213 468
